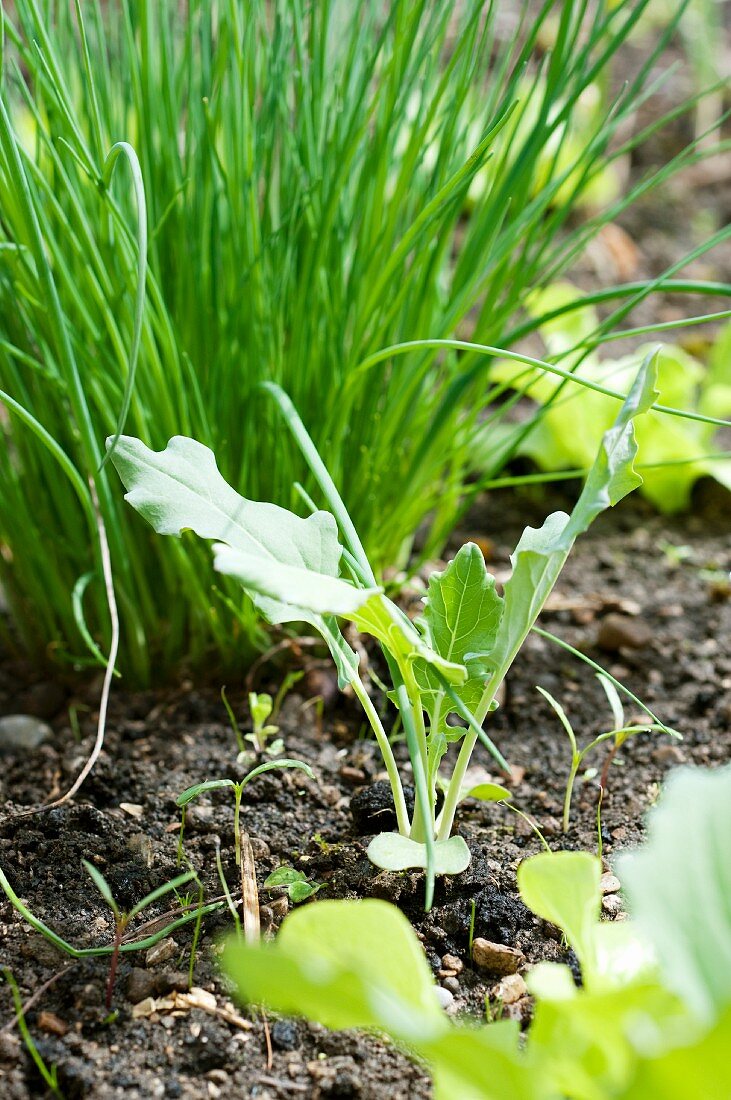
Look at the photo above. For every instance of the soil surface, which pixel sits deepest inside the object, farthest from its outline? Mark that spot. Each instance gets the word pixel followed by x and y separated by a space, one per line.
pixel 645 596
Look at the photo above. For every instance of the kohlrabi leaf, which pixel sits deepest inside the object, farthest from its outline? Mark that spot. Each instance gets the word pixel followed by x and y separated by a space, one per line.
pixel 483 1063
pixel 540 554
pixel 181 488
pixel 462 617
pixel 394 852
pixel 343 964
pixel 380 617
pixel 679 887
pixel 613 475
pixel 301 589
pixel 697 1069
pixel 563 888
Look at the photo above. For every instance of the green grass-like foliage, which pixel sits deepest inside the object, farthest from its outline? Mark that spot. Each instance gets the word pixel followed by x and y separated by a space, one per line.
pixel 645 1025
pixel 450 663
pixel 309 183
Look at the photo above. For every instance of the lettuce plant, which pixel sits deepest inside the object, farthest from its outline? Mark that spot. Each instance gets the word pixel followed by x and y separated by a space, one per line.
pixel 676 451
pixel 651 1020
pixel 450 663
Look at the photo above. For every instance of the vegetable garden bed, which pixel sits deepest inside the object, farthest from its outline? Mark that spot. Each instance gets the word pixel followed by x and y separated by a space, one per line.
pixel 676 615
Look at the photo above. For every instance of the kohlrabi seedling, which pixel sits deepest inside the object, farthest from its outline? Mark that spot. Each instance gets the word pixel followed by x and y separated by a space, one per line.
pixel 618 734
pixel 450 662
pixel 261 707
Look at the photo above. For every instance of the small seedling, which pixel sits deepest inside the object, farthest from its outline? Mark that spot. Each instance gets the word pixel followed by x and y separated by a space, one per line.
pixel 262 707
pixel 242 846
pixel 296 884
pixel 122 919
pixel 451 662
pixel 618 734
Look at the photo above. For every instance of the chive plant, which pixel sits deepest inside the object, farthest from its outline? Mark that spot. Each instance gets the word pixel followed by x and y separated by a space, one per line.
pixel 449 664
pixel 196 198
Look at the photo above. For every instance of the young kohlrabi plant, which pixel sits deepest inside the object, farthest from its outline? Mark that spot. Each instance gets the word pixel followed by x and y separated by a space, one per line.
pixel 449 663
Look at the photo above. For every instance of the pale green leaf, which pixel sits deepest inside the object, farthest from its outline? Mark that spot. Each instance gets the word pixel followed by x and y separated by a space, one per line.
pixel 344 964
pixel 380 617
pixel 394 852
pixel 679 887
pixel 563 888
pixel 303 590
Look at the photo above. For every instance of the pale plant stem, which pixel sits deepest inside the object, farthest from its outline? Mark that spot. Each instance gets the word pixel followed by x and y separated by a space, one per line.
pixel 575 764
pixel 402 814
pixel 451 799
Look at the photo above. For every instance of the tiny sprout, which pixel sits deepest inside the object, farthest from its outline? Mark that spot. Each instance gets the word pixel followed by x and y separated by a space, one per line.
pixel 618 734
pixel 122 919
pixel 242 845
pixel 261 707
pixel 295 883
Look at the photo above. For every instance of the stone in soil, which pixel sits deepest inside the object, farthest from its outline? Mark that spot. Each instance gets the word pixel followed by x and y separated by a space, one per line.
pixel 621 632
pixel 22 733
pixel 496 958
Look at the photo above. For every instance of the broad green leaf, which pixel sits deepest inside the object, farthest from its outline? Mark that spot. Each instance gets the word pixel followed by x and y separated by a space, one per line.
pixel 394 852
pixel 181 488
pixel 589 1044
pixel 283 876
pixel 484 1064
pixel 303 591
pixel 696 1070
pixel 563 888
pixel 488 792
pixel 343 964
pixel 679 887
pixel 380 617
pixel 462 617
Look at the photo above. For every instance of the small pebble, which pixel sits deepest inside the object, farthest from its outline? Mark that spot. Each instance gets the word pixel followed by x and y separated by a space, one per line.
pixel 50 1022
pixel 161 952
pixel 612 904
pixel 444 997
pixel 495 958
pixel 285 1035
pixel 259 848
pixel 140 985
pixel 452 962
pixel 510 989
pixel 22 733
pixel 355 776
pixel 621 632
pixel 452 985
pixel 609 883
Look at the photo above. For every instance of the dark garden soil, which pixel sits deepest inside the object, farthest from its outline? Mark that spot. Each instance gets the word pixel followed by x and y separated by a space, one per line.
pixel 645 596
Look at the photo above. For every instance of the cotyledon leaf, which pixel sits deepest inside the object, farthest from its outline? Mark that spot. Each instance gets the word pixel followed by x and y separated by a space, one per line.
pixel 462 616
